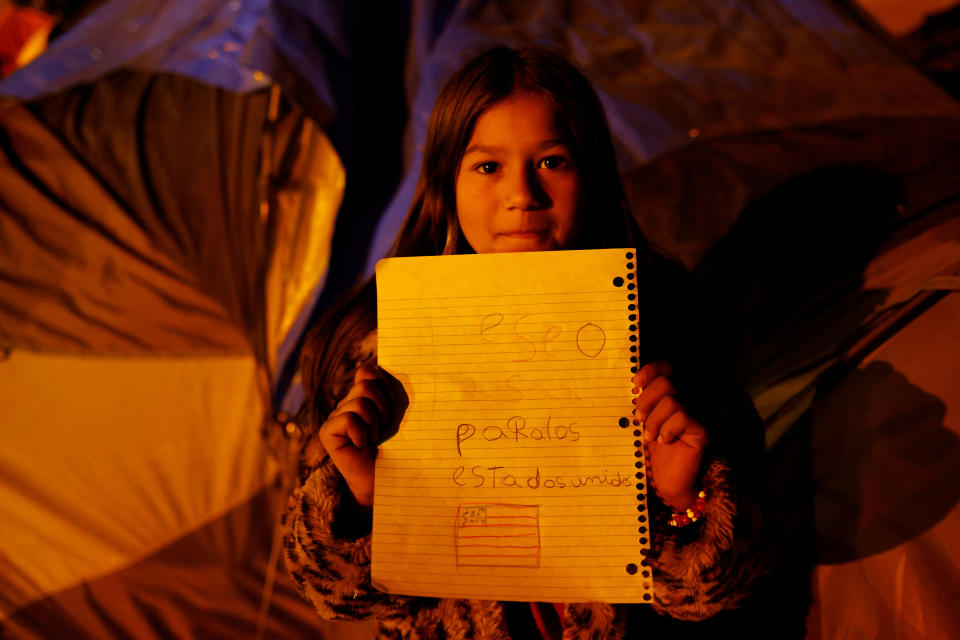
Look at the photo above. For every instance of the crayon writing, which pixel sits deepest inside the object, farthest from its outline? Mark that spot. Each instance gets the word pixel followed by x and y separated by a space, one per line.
pixel 496 477
pixel 516 430
pixel 498 535
pixel 590 338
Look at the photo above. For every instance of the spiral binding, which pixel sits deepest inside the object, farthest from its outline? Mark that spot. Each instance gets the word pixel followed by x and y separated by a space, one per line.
pixel 643 539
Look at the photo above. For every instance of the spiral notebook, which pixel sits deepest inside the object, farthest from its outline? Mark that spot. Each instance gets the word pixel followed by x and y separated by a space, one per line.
pixel 517 472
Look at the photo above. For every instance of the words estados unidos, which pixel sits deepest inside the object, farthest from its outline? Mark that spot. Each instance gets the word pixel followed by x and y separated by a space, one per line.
pixel 516 430
pixel 488 477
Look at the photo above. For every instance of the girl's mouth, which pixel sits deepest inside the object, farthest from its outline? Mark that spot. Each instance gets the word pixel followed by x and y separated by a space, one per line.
pixel 524 233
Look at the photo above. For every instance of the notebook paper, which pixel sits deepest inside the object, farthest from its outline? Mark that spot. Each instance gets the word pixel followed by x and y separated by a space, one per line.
pixel 516 473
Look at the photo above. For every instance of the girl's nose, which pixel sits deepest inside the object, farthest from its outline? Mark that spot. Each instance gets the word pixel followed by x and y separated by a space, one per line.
pixel 524 191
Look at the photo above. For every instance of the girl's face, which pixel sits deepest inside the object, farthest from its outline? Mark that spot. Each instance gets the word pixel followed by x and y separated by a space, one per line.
pixel 518 188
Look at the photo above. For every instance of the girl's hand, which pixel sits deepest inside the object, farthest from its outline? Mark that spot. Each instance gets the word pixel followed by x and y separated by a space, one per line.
pixel 675 441
pixel 352 431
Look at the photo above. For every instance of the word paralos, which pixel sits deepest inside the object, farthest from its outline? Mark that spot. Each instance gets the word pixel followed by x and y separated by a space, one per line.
pixel 516 430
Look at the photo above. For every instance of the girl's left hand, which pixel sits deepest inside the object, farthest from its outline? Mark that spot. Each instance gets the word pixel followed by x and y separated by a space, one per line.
pixel 675 441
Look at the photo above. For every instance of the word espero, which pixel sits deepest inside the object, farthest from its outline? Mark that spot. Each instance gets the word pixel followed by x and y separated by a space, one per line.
pixel 589 338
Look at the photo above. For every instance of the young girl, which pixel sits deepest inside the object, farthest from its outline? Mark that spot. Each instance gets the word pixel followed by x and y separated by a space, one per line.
pixel 518 157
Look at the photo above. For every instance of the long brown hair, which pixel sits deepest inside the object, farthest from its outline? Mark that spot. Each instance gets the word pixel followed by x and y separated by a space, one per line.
pixel 431 226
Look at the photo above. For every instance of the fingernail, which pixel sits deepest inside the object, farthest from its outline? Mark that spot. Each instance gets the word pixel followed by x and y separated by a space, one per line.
pixel 660 439
pixel 647 435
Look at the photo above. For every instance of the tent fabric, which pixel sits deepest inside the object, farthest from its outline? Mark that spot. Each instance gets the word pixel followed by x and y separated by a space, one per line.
pixel 104 231
pixel 108 459
pixel 131 212
pixel 206 584
pixel 855 254
pixel 886 449
pixel 304 193
pixel 159 238
pixel 712 182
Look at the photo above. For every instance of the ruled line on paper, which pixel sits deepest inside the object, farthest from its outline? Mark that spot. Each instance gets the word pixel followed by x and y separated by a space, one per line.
pixel 556 298
pixel 606 593
pixel 486 350
pixel 516 459
pixel 459 379
pixel 527 555
pixel 629 531
pixel 519 537
pixel 444 543
pixel 453 495
pixel 613 416
pixel 555 407
pixel 574 583
pixel 462 384
pixel 618 398
pixel 607 426
pixel 498 296
pixel 515 320
pixel 559 590
pixel 592 437
pixel 416 445
pixel 511 369
pixel 592 430
pixel 527 467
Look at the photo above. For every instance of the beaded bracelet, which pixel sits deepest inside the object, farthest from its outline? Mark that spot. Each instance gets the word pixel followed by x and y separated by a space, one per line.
pixel 692 514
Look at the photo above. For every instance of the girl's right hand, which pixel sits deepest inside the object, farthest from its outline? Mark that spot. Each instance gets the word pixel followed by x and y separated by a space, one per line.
pixel 352 431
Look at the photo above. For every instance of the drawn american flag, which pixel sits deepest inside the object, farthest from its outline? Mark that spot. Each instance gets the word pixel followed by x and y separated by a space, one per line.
pixel 498 535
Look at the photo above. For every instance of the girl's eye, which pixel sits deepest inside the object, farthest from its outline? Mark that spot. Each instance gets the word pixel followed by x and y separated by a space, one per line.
pixel 552 162
pixel 487 167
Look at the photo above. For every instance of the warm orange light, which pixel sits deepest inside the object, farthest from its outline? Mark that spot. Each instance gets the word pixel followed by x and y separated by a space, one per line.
pixel 23 36
pixel 900 17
